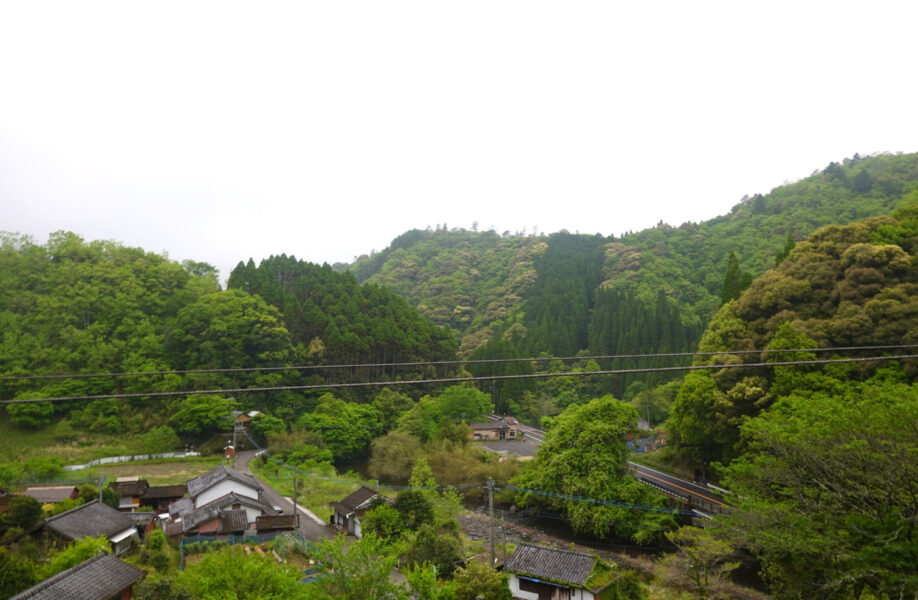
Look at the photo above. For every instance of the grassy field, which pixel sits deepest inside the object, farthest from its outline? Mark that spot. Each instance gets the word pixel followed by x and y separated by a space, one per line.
pixel 315 493
pixel 171 472
pixel 22 444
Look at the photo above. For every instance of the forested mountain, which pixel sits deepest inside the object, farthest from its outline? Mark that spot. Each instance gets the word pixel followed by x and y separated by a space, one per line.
pixel 334 320
pixel 645 292
pixel 72 307
pixel 847 285
pixel 820 459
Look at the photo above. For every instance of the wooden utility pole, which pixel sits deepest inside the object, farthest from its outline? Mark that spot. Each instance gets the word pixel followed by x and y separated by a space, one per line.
pixel 296 513
pixel 490 487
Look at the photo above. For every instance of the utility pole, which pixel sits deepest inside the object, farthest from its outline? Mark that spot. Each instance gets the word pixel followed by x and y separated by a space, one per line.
pixel 490 487
pixel 296 513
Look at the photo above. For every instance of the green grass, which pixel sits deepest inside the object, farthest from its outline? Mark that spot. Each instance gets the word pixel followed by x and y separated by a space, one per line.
pixel 658 460
pixel 22 444
pixel 314 493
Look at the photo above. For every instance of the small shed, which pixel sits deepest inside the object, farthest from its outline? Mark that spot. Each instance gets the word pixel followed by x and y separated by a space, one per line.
pixel 349 510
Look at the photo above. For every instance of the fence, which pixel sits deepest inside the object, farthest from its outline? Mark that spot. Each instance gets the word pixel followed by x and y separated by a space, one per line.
pixel 132 457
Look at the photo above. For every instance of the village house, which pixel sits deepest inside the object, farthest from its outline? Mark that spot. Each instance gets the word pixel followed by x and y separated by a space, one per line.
pixel 244 418
pixel 159 497
pixel 212 496
pixel 93 519
pixel 349 510
pixel 540 573
pixel 131 490
pixel 53 494
pixel 102 577
pixel 504 428
pixel 219 482
pixel 212 517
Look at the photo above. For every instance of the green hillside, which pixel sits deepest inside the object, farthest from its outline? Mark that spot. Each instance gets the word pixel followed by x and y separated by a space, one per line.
pixel 76 307
pixel 846 285
pixel 645 292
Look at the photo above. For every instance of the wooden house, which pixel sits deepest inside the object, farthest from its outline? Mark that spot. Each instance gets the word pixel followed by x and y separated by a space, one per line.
pixel 93 519
pixel 52 494
pixel 131 490
pixel 541 573
pixel 102 577
pixel 501 429
pixel 347 512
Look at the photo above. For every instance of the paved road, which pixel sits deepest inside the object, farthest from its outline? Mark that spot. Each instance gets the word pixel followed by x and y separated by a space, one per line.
pixel 309 528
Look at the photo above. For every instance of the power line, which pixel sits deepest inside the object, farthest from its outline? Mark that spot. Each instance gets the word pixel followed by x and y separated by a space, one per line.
pixel 325 386
pixel 460 486
pixel 446 362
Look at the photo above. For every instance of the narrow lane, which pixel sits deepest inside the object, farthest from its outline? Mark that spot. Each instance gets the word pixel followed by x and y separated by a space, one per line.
pixel 308 528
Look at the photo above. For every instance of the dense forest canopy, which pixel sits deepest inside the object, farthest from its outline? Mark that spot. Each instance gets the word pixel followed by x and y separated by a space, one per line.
pixel 649 291
pixel 72 307
pixel 846 285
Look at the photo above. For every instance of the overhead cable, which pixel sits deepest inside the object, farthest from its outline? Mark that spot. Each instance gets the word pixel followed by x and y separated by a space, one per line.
pixel 328 386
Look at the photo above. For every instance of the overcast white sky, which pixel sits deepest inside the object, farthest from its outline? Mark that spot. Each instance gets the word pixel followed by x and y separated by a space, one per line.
pixel 219 131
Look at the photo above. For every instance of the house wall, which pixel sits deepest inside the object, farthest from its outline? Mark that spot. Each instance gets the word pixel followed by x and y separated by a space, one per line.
pixel 532 590
pixel 251 514
pixel 223 488
pixel 357 531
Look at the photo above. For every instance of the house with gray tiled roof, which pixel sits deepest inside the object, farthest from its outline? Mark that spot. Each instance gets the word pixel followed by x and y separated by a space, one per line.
pixel 219 482
pixel 207 518
pixel 102 577
pixel 93 519
pixel 539 572
pixel 499 429
pixel 347 512
pixel 161 496
pixel 53 494
pixel 130 489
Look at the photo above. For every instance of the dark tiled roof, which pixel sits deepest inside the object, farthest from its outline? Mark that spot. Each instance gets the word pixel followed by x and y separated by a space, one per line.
pixel 549 564
pixel 173 529
pixel 212 510
pixel 130 488
pixel 181 507
pixel 498 424
pixel 91 519
pixel 275 522
pixel 232 521
pixel 351 503
pixel 215 476
pixel 157 492
pixel 98 578
pixel 141 519
pixel 50 495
